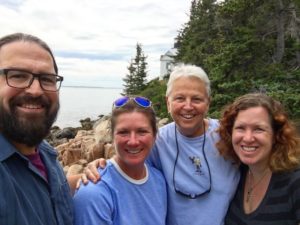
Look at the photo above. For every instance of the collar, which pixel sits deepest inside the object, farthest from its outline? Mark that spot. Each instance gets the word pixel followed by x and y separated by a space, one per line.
pixel 7 149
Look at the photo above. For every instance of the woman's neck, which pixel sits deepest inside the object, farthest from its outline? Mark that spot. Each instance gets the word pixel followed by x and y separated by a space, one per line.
pixel 136 172
pixel 198 131
pixel 257 172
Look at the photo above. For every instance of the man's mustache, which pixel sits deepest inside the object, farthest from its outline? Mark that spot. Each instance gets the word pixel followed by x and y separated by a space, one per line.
pixel 27 99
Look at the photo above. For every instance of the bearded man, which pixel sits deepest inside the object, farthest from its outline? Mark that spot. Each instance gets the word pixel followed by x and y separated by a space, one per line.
pixel 33 187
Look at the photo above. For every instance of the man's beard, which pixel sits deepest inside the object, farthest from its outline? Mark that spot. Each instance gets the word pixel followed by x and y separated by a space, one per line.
pixel 25 129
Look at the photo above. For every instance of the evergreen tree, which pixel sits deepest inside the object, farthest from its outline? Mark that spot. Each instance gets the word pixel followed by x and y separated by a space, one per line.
pixel 135 80
pixel 129 85
pixel 196 39
pixel 141 69
pixel 245 46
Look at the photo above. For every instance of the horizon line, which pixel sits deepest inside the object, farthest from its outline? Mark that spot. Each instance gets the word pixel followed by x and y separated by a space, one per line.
pixel 86 86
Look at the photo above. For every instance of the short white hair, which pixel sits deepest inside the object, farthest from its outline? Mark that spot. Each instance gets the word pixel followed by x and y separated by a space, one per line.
pixel 187 70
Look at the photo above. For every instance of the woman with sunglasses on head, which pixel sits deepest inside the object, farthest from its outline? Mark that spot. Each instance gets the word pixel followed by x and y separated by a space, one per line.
pixel 130 191
pixel 256 132
pixel 200 182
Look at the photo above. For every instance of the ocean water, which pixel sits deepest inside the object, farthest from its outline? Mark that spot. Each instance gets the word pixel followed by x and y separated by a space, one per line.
pixel 78 103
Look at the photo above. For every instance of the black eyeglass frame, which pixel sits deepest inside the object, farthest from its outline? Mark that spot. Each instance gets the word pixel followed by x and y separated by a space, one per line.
pixel 191 196
pixel 59 79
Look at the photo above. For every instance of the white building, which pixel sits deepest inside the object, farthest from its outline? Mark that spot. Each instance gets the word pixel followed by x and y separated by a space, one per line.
pixel 167 62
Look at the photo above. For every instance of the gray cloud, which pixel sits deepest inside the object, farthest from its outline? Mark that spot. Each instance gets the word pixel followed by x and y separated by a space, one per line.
pixel 12 4
pixel 95 40
pixel 90 56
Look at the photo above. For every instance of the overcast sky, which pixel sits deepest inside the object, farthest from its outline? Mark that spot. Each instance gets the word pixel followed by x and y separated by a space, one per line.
pixel 94 40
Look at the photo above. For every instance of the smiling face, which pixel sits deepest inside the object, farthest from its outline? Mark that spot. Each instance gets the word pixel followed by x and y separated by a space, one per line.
pixel 26 114
pixel 252 136
pixel 133 139
pixel 188 104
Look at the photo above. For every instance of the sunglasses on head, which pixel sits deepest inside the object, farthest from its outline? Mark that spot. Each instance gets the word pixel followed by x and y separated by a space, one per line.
pixel 141 101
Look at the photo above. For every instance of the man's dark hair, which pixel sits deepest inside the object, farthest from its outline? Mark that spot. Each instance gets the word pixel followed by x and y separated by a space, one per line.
pixel 27 38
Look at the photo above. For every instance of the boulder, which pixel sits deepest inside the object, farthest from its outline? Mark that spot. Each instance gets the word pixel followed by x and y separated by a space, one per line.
pixel 66 168
pixel 82 162
pixel 109 151
pixel 102 131
pixel 70 156
pixel 87 124
pixel 74 169
pixel 67 132
pixel 162 122
pixel 96 152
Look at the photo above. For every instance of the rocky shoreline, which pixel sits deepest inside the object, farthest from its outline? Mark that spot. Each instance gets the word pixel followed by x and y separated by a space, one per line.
pixel 78 146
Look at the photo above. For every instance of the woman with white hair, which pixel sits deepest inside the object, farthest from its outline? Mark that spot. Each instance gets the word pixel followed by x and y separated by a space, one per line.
pixel 200 182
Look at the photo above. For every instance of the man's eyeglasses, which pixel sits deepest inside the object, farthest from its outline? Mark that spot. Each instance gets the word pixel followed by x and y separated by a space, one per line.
pixel 141 101
pixel 18 78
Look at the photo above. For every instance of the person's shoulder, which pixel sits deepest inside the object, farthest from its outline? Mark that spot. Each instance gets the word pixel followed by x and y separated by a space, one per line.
pixel 290 178
pixel 47 148
pixel 94 189
pixel 93 195
pixel 167 126
pixel 295 174
pixel 296 170
pixel 110 177
pixel 290 173
pixel 108 172
pixel 154 171
pixel 156 175
pixel 213 123
pixel 167 129
pixel 213 128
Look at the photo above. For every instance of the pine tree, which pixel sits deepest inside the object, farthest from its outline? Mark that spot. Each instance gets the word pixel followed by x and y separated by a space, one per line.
pixel 195 39
pixel 141 73
pixel 135 80
pixel 129 88
pixel 245 46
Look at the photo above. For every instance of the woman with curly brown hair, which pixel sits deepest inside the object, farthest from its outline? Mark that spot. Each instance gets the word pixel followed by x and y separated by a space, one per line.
pixel 255 131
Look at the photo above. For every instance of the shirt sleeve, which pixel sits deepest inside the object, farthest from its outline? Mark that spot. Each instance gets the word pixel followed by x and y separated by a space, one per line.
pixel 153 158
pixel 93 205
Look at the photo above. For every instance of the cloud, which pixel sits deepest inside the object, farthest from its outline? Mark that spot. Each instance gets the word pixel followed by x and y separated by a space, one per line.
pixel 12 4
pixel 95 40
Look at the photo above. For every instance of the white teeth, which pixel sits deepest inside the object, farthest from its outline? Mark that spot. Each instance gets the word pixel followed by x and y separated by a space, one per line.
pixel 188 116
pixel 29 106
pixel 133 151
pixel 248 148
